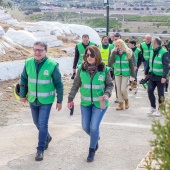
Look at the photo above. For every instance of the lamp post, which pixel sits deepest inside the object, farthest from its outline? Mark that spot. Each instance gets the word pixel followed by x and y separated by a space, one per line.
pixel 106 3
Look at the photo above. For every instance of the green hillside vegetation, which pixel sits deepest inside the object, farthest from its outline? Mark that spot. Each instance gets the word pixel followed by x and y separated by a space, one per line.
pixel 147 18
pixel 92 20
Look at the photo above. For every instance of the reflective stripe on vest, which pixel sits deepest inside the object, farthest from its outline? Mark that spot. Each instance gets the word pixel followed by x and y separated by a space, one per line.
pixel 122 62
pixel 157 70
pixel 88 86
pixel 41 94
pixel 123 69
pixel 158 62
pixel 40 81
pixel 89 98
pixel 156 65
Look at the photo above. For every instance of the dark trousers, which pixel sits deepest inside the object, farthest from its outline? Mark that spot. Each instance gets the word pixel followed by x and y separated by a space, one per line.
pixel 160 88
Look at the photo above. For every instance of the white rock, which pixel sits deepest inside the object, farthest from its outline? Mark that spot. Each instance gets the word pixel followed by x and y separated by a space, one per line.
pixel 65 64
pixel 59 29
pixel 21 37
pixel 11 21
pixel 48 39
pixel 2 11
pixel 55 43
pixel 9 39
pixel 41 33
pixel 82 29
pixel 30 28
pixel 5 17
pixel 4 46
pixel 12 70
pixel 2 32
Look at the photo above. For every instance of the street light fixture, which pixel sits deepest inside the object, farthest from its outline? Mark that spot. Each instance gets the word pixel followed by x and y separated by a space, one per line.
pixel 106 3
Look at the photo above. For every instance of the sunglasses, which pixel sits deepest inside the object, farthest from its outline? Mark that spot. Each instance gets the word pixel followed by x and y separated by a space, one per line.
pixel 89 55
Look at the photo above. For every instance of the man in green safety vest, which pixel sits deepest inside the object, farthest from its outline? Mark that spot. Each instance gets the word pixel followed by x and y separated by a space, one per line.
pixel 41 78
pixel 79 52
pixel 157 68
pixel 105 49
pixel 146 49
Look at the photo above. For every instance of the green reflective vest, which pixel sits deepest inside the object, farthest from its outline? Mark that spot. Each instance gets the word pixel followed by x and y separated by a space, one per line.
pixel 156 65
pixel 121 65
pixel 40 85
pixel 112 46
pixel 105 53
pixel 92 88
pixel 82 51
pixel 136 53
pixel 146 50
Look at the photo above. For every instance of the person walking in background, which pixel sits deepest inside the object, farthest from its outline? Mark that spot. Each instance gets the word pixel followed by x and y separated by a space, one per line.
pixel 138 55
pixel 167 80
pixel 41 77
pixel 95 83
pixel 121 61
pixel 127 41
pixel 79 52
pixel 105 49
pixel 111 38
pixel 168 45
pixel 146 49
pixel 157 68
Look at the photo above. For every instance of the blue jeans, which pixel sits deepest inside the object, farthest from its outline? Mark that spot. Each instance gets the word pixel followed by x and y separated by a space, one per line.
pixel 145 64
pixel 136 74
pixel 91 118
pixel 40 115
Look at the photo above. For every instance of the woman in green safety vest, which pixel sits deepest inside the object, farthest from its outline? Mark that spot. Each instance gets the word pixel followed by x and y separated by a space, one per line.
pixel 121 61
pixel 105 49
pixel 95 83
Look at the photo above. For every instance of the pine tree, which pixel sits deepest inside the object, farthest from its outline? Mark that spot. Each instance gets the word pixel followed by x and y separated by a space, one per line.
pixel 161 144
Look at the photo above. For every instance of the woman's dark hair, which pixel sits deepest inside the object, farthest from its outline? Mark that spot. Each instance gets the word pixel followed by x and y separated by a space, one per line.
pixel 105 37
pixel 94 52
pixel 166 47
pixel 133 42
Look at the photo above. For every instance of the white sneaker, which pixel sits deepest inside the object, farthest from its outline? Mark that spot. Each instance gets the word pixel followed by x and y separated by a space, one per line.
pixel 158 114
pixel 151 111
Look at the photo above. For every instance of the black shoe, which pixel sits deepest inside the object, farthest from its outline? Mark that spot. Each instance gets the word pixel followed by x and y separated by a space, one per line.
pixel 48 141
pixel 97 146
pixel 91 155
pixel 39 156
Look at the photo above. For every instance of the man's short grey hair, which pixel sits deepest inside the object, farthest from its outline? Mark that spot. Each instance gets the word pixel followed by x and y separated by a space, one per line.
pixel 157 40
pixel 41 44
pixel 148 35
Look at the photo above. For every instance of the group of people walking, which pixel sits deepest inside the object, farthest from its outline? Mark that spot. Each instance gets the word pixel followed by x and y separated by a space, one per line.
pixel 94 69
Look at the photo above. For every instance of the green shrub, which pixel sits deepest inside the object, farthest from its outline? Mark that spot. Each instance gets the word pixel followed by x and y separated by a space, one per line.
pixel 161 144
